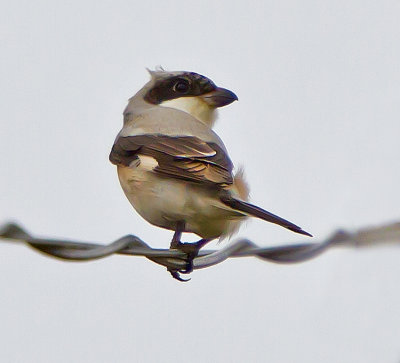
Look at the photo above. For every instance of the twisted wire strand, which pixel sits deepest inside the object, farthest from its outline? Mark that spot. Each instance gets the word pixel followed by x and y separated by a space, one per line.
pixel 176 260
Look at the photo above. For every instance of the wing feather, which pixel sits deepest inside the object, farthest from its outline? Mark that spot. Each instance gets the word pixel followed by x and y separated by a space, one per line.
pixel 182 157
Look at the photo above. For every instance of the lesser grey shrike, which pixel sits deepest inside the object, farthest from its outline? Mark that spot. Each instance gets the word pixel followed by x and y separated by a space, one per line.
pixel 174 169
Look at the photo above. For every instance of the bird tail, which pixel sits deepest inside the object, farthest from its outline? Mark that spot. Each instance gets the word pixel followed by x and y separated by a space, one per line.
pixel 258 212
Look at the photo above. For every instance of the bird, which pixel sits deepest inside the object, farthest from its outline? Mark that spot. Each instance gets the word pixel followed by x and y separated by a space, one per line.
pixel 175 170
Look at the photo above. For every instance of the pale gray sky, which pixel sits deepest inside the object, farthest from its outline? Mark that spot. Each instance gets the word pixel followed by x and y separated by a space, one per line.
pixel 319 90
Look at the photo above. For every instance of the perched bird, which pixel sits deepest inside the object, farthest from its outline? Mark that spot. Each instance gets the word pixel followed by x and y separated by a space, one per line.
pixel 173 167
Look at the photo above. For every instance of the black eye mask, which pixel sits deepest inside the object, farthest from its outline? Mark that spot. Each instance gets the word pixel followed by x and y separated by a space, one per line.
pixel 184 85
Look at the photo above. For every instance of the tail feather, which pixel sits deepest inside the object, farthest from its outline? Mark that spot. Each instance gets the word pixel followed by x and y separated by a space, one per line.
pixel 261 213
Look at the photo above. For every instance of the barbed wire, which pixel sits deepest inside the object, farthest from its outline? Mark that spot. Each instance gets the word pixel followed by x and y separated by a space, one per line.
pixel 175 260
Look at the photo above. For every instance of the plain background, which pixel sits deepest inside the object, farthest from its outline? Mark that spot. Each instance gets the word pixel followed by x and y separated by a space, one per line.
pixel 316 127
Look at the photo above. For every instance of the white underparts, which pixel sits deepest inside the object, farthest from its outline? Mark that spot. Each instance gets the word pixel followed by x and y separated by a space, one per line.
pixel 194 106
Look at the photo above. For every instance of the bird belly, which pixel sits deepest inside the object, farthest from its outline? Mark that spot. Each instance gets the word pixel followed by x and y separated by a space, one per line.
pixel 164 202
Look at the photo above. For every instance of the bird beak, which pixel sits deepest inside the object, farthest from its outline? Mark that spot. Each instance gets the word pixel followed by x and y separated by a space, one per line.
pixel 220 97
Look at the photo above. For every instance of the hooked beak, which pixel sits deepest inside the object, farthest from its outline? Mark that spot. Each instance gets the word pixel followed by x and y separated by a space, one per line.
pixel 220 97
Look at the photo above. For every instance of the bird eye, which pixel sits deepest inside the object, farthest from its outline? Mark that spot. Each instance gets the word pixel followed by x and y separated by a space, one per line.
pixel 181 86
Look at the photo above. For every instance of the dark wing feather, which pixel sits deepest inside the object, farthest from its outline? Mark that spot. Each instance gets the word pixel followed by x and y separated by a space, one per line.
pixel 182 157
pixel 184 146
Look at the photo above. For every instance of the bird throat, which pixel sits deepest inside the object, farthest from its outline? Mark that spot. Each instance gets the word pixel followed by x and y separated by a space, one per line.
pixel 194 106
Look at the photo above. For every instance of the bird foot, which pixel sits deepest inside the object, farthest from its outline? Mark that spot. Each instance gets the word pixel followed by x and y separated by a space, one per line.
pixel 191 250
pixel 176 276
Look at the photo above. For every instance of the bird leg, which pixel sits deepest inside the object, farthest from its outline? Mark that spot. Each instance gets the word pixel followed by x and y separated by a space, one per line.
pixel 176 239
pixel 190 249
pixel 176 244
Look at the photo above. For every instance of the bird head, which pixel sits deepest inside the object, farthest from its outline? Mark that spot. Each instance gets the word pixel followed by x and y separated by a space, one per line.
pixel 189 92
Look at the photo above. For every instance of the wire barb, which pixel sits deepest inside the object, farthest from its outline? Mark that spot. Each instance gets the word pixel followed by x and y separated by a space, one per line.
pixel 175 260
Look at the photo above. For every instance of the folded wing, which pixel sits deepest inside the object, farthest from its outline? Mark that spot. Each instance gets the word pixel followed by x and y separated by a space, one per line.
pixel 181 157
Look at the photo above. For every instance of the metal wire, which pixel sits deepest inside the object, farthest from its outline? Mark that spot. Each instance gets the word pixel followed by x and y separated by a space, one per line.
pixel 176 260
